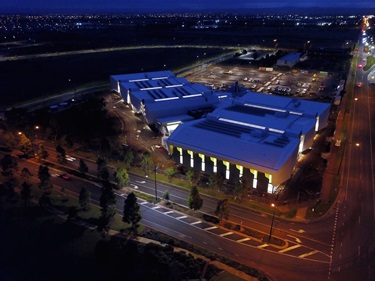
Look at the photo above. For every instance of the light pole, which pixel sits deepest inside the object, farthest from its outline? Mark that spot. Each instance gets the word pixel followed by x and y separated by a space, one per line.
pixel 156 189
pixel 273 218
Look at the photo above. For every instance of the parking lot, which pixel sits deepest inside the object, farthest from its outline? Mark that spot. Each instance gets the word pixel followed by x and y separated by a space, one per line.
pixel 312 85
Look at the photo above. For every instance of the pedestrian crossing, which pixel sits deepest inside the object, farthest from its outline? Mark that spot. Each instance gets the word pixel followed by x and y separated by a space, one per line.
pixel 295 249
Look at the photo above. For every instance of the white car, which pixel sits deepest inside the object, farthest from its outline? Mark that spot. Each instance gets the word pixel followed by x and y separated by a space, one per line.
pixel 70 158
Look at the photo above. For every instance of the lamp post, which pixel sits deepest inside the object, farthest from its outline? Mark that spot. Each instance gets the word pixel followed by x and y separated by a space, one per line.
pixel 156 189
pixel 273 218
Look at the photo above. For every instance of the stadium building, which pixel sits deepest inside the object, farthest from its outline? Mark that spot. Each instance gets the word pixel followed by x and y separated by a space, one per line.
pixel 254 136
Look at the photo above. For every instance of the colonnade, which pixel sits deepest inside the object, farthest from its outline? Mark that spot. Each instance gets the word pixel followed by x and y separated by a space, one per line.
pixel 209 164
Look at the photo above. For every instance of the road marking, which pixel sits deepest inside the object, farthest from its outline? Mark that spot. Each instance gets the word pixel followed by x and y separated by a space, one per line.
pixel 299 231
pixel 290 248
pixel 296 238
pixel 135 186
pixel 226 234
pixel 308 254
pixel 196 222
pixel 169 212
pixel 144 203
pixel 263 246
pixel 182 217
pixel 140 181
pixel 157 207
pixel 209 228
pixel 243 240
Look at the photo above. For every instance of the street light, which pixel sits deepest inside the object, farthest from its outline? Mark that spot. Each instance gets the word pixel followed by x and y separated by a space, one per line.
pixel 156 190
pixel 273 218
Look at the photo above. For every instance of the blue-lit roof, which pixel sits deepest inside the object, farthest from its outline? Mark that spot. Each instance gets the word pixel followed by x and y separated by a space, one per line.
pixel 143 75
pixel 291 56
pixel 238 143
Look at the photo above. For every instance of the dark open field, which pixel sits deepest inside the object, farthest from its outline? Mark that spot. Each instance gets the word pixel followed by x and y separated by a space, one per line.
pixel 29 79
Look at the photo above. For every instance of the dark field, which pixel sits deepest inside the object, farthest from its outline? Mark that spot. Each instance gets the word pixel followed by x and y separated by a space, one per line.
pixel 34 78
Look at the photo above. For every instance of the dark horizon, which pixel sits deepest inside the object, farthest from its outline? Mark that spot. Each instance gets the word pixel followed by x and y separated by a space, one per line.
pixel 312 10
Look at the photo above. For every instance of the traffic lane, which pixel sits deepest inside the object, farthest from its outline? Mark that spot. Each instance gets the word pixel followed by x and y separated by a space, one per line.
pixel 237 251
pixel 245 217
pixel 355 223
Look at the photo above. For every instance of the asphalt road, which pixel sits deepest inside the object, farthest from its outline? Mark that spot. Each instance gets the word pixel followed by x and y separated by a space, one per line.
pixel 353 254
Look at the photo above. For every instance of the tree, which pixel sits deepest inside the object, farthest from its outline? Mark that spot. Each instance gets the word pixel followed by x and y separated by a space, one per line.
pixel 83 168
pixel 170 172
pixel 190 175
pixel 194 200
pixel 61 155
pixel 26 192
pixel 107 204
pixel 105 147
pixel 24 144
pixel 128 158
pixel 146 162
pixel 84 199
pixel 9 165
pixel 43 153
pixel 44 177
pixel 68 141
pixel 121 177
pixel 222 209
pixel 102 170
pixel 25 174
pixel 166 195
pixel 132 212
pixel 9 139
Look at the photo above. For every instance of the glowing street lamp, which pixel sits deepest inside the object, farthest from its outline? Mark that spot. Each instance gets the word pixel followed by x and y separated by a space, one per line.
pixel 273 218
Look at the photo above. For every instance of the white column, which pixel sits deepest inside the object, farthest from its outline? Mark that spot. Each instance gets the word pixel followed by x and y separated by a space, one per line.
pixel 214 160
pixel 255 180
pixel 301 143
pixel 317 123
pixel 270 187
pixel 240 168
pixel 181 155
pixel 227 171
pixel 203 157
pixel 191 153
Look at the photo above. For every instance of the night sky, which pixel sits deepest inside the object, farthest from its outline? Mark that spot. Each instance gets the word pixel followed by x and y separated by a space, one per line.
pixel 121 6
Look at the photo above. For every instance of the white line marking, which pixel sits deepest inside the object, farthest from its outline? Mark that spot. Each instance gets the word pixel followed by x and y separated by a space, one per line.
pixel 290 248
pixel 308 254
pixel 182 217
pixel 243 240
pixel 263 246
pixel 296 238
pixel 226 234
pixel 196 222
pixel 209 228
